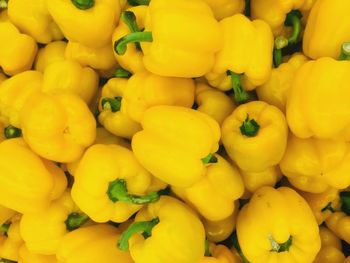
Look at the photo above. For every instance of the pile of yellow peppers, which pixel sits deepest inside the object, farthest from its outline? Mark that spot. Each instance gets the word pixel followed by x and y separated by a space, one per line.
pixel 184 131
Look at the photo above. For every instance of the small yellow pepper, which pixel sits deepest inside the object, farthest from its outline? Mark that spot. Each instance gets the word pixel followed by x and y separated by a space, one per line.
pixel 225 8
pixel 249 132
pixel 92 244
pixel 33 18
pixel 10 239
pixel 26 256
pixel 90 22
pixel 49 54
pixel 314 165
pixel 218 254
pixel 57 127
pixel 277 225
pixel 176 143
pixel 170 230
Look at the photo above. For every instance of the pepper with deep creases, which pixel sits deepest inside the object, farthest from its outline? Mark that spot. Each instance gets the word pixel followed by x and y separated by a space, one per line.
pixel 218 254
pixel 226 8
pixel 181 155
pixel 10 239
pixel 49 54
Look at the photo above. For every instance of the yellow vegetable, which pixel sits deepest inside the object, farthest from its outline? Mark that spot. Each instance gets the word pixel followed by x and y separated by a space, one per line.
pixel 5 214
pixel 225 8
pixel 219 254
pixel 339 224
pixel 49 54
pixel 26 256
pixel 10 239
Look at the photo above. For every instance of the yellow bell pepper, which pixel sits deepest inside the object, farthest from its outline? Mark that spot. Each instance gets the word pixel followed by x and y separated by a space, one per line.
pixel 57 127
pixel 5 214
pixel 170 231
pixel 43 231
pixel 277 225
pixel 182 43
pixel 176 144
pixel 111 113
pixel 2 77
pixel 49 54
pixel 339 224
pixel 314 165
pixel 275 90
pixel 31 186
pixel 90 22
pixel 249 132
pixel 213 102
pixel 219 187
pixel 10 239
pixel 226 8
pixel 26 256
pixel 92 244
pixel 17 50
pixel 110 184
pixel 219 254
pixel 33 18
pixel 306 113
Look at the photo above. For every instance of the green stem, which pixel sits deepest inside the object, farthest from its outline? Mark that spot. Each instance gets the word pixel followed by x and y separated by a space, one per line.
pixel 345 51
pixel 210 158
pixel 328 207
pixel 240 95
pixel 3 4
pixel 83 4
pixel 250 127
pixel 280 43
pixel 144 227
pixel 112 104
pixel 207 250
pixel 130 21
pixel 276 247
pixel 122 73
pixel 120 45
pixel 118 191
pixel 4 260
pixel 138 2
pixel 345 202
pixel 294 20
pixel 11 132
pixel 4 228
pixel 236 245
pixel 75 220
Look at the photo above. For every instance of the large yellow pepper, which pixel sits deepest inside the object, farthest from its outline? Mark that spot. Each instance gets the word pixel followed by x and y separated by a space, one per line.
pixel 249 132
pixel 277 225
pixel 26 256
pixel 275 90
pixel 226 8
pixel 110 184
pixel 17 50
pixel 314 165
pixel 170 230
pixel 49 54
pixel 306 112
pixel 31 186
pixel 90 22
pixel 33 18
pixel 92 244
pixel 176 144
pixel 218 254
pixel 57 127
pixel 182 43
pixel 10 239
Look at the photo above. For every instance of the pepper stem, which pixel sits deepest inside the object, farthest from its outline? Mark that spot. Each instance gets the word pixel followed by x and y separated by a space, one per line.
pixel 75 220
pixel 3 4
pixel 112 104
pixel 276 247
pixel 120 45
pixel 250 127
pixel 328 207
pixel 118 191
pixel 83 4
pixel 207 250
pixel 345 202
pixel 130 21
pixel 144 227
pixel 280 42
pixel 294 20
pixel 210 158
pixel 345 51
pixel 138 2
pixel 4 228
pixel 240 95
pixel 11 132
pixel 122 73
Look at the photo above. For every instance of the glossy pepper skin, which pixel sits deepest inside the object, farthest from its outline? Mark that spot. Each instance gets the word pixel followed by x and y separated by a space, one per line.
pixel 174 219
pixel 292 237
pixel 225 8
pixel 85 245
pixel 249 132
pixel 10 240
pixel 17 53
pixel 33 18
pixel 57 127
pixel 219 254
pixel 40 181
pixel 339 224
pixel 175 156
pixel 26 256
pixel 314 165
pixel 306 113
pixel 87 22
pixel 49 54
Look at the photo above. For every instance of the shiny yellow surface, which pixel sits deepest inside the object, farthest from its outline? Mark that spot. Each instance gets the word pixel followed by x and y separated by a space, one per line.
pixel 225 8
pixel 339 224
pixel 49 54
pixel 220 254
pixel 26 256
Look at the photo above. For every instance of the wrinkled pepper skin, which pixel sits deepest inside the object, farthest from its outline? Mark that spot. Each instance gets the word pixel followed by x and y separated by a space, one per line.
pixel 26 256
pixel 175 156
pixel 313 165
pixel 93 27
pixel 11 240
pixel 326 29
pixel 220 187
pixel 219 254
pixel 339 224
pixel 263 242
pixel 306 113
pixel 49 54
pixel 18 50
pixel 68 76
pixel 86 245
pixel 40 181
pixel 33 18
pixel 57 127
pixel 225 8
pixel 254 153
pixel 275 90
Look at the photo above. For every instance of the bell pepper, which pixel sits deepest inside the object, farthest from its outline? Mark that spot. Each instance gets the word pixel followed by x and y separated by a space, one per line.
pixel 111 113
pixel 92 244
pixel 90 22
pixel 213 102
pixel 181 44
pixel 2 77
pixel 110 184
pixel 314 165
pixel 29 187
pixel 43 231
pixel 33 18
pixel 17 53
pixel 218 254
pixel 26 256
pixel 10 239
pixel 57 127
pixel 49 54
pixel 226 8
pixel 242 55
pixel 162 230
pixel 306 113
pixel 5 214
pixel 339 223
pixel 275 90
pixel 176 144
pixel 249 132
pixel 286 230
